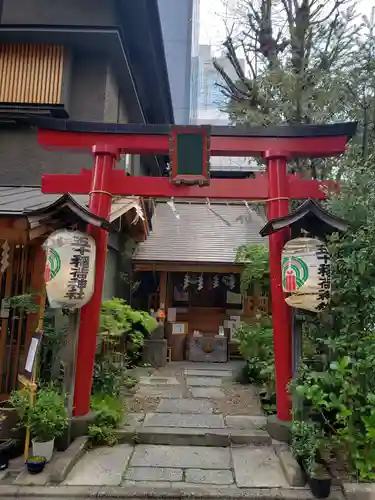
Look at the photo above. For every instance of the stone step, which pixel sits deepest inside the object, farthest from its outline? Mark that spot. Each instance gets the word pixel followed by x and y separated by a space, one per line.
pixel 188 436
pixel 163 491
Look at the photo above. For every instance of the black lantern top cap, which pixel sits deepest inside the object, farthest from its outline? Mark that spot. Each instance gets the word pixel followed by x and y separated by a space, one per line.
pixel 310 217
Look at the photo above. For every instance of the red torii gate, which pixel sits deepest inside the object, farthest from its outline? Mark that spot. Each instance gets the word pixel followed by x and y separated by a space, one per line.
pixel 275 144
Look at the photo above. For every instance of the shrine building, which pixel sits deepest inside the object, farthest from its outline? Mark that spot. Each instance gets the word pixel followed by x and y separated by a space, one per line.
pixel 188 263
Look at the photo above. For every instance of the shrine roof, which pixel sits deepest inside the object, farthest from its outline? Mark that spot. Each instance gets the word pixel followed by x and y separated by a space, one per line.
pixel 31 202
pixel 309 216
pixel 203 233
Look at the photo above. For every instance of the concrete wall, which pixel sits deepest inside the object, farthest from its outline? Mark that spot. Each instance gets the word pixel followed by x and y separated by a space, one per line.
pixel 92 95
pixel 119 264
pixel 176 22
pixel 59 12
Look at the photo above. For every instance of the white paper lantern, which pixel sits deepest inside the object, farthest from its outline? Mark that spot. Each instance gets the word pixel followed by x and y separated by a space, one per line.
pixel 70 268
pixel 306 274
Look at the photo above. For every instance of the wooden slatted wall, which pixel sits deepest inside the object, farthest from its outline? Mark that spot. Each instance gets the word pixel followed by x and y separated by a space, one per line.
pixel 13 335
pixel 31 73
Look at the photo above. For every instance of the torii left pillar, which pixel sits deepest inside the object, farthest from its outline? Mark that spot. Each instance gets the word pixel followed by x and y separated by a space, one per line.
pixel 100 201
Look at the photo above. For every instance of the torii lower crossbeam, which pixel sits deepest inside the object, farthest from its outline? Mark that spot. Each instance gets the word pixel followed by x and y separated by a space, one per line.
pixel 160 187
pixel 276 145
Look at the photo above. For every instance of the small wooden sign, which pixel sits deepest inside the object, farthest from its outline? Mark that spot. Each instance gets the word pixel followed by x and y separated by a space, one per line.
pixel 179 328
pixel 27 372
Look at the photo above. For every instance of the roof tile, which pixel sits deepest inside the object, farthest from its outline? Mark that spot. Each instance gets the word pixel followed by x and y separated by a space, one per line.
pixel 200 235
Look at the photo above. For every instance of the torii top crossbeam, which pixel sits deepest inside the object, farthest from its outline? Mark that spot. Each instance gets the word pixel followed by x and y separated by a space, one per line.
pixel 283 141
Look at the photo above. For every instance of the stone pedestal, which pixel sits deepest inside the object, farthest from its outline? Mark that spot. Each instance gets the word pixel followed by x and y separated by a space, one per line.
pixel 155 352
pixel 278 429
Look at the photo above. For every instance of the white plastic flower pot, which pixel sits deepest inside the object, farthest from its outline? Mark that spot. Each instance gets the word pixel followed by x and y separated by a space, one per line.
pixel 43 449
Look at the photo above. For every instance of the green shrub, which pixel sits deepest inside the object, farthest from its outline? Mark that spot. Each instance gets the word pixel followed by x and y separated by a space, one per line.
pixel 107 377
pixel 47 416
pixel 109 410
pixel 102 436
pixel 255 278
pixel 119 321
pixel 256 346
pixel 109 413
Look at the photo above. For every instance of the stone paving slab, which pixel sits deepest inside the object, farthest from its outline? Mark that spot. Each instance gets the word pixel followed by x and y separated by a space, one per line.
pixel 257 468
pixel 207 392
pixel 245 422
pixel 134 419
pixel 185 457
pixel 154 380
pixel 147 484
pixel 196 365
pixel 208 373
pixel 157 392
pixel 203 381
pixel 200 406
pixel 183 420
pixel 200 476
pixel 153 474
pixel 101 466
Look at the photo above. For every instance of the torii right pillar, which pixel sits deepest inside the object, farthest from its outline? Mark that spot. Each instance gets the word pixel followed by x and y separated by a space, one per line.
pixel 278 206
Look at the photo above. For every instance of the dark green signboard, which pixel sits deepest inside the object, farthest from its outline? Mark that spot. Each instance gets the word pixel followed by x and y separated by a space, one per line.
pixel 190 154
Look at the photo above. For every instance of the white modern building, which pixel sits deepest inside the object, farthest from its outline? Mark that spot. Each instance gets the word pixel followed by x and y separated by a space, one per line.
pixel 212 104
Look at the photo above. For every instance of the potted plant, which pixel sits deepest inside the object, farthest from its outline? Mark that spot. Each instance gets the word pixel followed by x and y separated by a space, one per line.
pixel 47 417
pixel 318 478
pixel 35 464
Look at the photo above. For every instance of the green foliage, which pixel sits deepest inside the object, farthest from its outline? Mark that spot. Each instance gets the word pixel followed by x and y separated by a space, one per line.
pixel 109 413
pixel 316 67
pixel 307 444
pixel 118 321
pixel 130 381
pixel 109 410
pixel 335 386
pixel 101 435
pixel 107 378
pixel 47 416
pixel 255 277
pixel 256 346
pixel 36 460
pixel 25 303
pixel 117 318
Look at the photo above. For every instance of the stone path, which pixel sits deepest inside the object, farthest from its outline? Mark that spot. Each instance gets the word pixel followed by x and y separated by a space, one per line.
pixel 186 441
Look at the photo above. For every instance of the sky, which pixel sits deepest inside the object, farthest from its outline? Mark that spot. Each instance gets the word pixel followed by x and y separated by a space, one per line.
pixel 212 13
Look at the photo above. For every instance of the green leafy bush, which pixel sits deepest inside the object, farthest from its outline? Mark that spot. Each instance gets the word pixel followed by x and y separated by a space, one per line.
pixel 255 278
pixel 335 386
pixel 109 410
pixel 107 377
pixel 256 346
pixel 120 322
pixel 109 413
pixel 47 416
